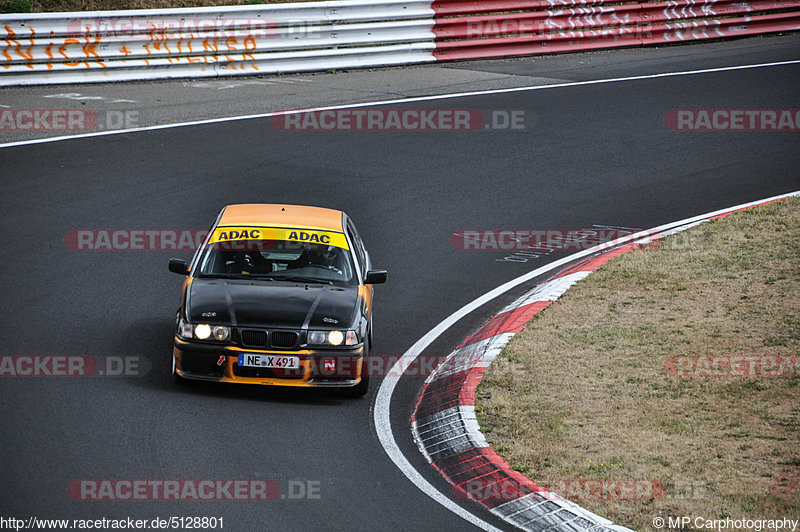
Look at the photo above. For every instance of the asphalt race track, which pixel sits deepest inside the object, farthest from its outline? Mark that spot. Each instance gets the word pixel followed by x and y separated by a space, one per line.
pixel 596 154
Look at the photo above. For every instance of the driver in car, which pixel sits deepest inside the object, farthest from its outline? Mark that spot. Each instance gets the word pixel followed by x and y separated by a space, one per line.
pixel 326 257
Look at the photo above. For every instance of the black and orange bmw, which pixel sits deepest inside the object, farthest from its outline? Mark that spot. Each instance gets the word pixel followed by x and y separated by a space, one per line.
pixel 277 295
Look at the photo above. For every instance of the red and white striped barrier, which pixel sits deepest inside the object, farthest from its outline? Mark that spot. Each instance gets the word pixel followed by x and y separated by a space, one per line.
pixel 444 424
pixel 509 28
pixel 96 46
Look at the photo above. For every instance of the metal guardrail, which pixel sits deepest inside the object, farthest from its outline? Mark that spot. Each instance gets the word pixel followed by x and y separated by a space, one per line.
pixel 239 40
pixel 164 43
pixel 501 28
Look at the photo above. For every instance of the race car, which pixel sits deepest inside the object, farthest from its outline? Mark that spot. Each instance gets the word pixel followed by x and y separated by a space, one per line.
pixel 277 295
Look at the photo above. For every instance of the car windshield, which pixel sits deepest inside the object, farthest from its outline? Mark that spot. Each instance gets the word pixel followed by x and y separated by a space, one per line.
pixel 277 259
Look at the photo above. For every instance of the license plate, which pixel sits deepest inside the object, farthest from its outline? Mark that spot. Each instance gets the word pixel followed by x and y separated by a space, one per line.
pixel 268 361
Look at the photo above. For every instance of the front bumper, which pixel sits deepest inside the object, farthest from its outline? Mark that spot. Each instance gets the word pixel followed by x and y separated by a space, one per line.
pixel 334 368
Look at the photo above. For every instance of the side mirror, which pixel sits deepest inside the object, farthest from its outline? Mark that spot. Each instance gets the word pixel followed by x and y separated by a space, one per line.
pixel 178 266
pixel 376 277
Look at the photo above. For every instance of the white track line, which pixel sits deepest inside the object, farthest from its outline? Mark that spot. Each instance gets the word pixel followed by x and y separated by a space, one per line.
pixel 383 399
pixel 399 100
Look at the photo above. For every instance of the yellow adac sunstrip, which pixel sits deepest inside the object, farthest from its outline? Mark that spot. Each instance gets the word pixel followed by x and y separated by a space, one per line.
pixel 311 236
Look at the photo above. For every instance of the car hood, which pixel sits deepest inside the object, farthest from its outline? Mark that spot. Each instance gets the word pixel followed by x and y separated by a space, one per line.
pixel 280 304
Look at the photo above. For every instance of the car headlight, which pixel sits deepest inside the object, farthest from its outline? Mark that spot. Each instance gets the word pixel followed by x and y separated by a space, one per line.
pixel 220 332
pixel 334 338
pixel 203 331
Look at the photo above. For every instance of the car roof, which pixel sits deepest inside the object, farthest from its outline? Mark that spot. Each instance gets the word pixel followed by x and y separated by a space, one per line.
pixel 281 215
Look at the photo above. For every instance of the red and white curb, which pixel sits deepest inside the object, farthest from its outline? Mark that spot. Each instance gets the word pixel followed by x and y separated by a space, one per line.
pixel 444 424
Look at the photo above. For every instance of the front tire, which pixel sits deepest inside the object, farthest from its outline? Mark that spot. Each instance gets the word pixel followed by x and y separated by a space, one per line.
pixel 359 390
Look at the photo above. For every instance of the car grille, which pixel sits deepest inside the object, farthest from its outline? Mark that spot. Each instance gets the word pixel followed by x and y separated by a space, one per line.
pixel 283 339
pixel 260 338
pixel 253 338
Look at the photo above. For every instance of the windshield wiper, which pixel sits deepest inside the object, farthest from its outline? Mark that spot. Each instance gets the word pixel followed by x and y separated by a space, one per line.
pixel 299 279
pixel 259 276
